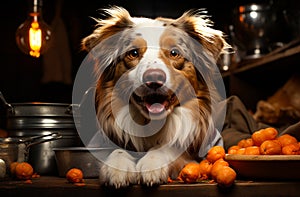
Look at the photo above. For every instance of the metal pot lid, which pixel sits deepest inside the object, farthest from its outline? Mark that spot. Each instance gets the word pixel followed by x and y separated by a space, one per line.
pixel 39 104
pixel 39 109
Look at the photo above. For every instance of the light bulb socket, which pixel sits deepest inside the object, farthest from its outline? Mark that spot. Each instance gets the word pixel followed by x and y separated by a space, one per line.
pixel 35 5
pixel 23 36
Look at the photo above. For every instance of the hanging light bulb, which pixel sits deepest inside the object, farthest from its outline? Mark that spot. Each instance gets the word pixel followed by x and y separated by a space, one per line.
pixel 33 37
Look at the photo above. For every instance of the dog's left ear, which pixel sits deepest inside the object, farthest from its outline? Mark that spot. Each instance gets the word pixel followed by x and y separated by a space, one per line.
pixel 117 20
pixel 198 26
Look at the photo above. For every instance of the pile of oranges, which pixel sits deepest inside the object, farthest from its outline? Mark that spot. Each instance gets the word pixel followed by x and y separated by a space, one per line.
pixel 23 171
pixel 267 142
pixel 213 167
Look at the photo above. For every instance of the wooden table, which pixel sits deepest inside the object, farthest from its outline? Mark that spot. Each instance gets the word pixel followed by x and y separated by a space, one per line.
pixel 45 186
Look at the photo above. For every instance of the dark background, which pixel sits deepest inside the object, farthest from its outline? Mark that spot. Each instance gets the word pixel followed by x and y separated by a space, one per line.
pixel 20 74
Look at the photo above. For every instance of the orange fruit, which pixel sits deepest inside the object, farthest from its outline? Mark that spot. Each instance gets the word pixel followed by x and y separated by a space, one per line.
pixel 286 139
pixel 225 176
pixel 12 167
pixel 217 166
pixel 23 170
pixel 291 149
pixel 270 147
pixel 240 151
pixel 170 180
pixel 190 172
pixel 245 143
pixel 205 169
pixel 262 135
pixel 252 150
pixel 215 153
pixel 74 175
pixel 233 149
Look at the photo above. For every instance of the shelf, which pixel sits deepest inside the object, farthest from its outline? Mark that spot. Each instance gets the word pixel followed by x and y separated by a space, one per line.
pixel 253 80
pixel 289 50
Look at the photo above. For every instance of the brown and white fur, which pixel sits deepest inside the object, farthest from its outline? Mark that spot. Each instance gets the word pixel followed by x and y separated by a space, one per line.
pixel 150 96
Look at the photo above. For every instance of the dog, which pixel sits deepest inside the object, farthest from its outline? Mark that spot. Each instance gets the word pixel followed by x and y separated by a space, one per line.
pixel 155 93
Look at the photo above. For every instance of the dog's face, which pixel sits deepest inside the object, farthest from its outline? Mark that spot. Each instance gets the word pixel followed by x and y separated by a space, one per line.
pixel 154 66
pixel 154 58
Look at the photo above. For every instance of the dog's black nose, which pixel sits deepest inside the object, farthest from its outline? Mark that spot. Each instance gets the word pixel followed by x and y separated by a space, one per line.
pixel 154 78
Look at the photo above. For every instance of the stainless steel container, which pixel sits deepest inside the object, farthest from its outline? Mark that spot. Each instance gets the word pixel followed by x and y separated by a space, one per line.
pixel 17 149
pixel 36 119
pixel 257 29
pixel 89 160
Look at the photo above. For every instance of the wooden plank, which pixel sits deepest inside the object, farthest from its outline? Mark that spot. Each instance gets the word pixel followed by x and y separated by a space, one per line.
pixel 268 59
pixel 54 186
pixel 285 51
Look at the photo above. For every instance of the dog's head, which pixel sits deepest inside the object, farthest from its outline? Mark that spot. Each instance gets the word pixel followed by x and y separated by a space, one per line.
pixel 155 58
pixel 153 70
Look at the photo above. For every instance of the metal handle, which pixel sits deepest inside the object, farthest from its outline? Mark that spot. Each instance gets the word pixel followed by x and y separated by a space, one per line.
pixel 6 103
pixel 24 151
pixel 49 137
pixel 71 107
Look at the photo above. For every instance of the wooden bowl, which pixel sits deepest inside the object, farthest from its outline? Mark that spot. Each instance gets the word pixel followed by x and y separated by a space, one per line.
pixel 275 167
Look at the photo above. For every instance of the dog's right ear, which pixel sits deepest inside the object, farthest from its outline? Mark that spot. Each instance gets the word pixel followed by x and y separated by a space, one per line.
pixel 199 27
pixel 117 20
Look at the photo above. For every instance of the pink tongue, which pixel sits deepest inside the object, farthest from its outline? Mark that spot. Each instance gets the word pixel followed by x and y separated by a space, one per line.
pixel 155 108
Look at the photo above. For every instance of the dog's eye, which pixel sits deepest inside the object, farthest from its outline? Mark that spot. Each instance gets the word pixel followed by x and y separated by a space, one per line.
pixel 174 53
pixel 134 53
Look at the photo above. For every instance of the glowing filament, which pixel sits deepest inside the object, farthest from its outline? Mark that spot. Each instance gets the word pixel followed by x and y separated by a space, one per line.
pixel 35 39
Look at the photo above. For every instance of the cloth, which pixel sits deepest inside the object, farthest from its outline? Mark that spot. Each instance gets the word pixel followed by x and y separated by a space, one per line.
pixel 239 124
pixel 57 59
pixel 214 139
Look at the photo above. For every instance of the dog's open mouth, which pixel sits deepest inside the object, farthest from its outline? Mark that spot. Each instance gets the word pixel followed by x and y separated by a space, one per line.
pixel 156 105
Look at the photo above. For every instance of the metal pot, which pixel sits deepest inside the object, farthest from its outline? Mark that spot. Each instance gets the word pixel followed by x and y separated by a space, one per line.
pixel 89 160
pixel 37 115
pixel 257 29
pixel 38 119
pixel 17 149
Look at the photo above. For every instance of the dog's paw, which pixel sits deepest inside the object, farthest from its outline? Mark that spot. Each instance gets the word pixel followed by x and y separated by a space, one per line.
pixel 153 170
pixel 119 170
pixel 155 177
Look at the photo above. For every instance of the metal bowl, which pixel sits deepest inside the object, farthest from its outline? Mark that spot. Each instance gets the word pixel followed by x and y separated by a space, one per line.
pixel 89 160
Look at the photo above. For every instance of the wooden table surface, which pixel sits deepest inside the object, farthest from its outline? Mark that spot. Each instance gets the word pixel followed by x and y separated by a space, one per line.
pixel 45 186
